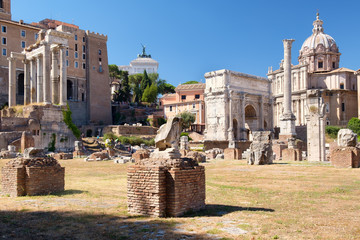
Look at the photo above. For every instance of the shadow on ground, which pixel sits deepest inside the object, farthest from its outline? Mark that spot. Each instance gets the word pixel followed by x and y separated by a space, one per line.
pixel 69 192
pixel 73 225
pixel 215 210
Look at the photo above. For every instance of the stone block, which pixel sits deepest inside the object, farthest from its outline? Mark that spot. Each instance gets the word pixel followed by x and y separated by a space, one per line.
pixel 141 154
pixel 291 154
pixel 232 153
pixel 277 149
pixel 27 141
pixel 348 157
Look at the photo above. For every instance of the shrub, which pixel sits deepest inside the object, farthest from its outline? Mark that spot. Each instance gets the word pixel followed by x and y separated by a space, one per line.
pixel 161 121
pixel 186 134
pixel 110 135
pixel 68 121
pixel 332 131
pixel 354 125
pixel 132 140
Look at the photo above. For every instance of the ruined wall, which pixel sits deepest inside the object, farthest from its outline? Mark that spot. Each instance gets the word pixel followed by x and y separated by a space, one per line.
pixel 348 157
pixel 13 181
pixel 7 137
pixel 146 190
pixel 159 191
pixel 131 130
pixel 185 189
pixel 44 180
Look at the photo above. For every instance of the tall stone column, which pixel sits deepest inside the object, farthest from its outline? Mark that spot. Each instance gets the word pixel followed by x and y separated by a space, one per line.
pixel 12 81
pixel 26 81
pixel 261 118
pixel 231 127
pixel 55 77
pixel 287 120
pixel 33 81
pixel 46 74
pixel 39 70
pixel 357 73
pixel 63 76
pixel 242 126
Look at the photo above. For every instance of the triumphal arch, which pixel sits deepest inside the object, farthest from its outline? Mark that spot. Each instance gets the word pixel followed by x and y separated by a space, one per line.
pixel 236 104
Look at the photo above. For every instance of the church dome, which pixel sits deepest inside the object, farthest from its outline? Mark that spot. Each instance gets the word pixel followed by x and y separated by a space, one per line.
pixel 317 39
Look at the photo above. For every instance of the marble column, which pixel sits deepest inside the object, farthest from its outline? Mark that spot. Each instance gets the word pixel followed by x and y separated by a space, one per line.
pixel 12 81
pixel 46 74
pixel 242 126
pixel 261 118
pixel 39 70
pixel 26 81
pixel 287 121
pixel 33 81
pixel 63 76
pixel 55 77
pixel 357 73
pixel 231 127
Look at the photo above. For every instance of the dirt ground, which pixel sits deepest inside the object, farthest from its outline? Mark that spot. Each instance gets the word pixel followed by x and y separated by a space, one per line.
pixel 286 200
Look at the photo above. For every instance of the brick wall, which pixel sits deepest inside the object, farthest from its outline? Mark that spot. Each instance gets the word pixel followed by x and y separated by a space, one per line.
pixel 130 130
pixel 185 190
pixel 22 177
pixel 160 191
pixel 44 180
pixel 348 157
pixel 13 181
pixel 146 190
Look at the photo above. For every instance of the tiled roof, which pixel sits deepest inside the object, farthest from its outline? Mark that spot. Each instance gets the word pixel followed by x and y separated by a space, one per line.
pixel 191 86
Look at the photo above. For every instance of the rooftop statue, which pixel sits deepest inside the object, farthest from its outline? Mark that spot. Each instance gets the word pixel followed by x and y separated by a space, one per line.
pixel 144 55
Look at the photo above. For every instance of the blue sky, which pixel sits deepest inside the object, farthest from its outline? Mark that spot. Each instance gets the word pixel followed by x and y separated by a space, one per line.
pixel 191 37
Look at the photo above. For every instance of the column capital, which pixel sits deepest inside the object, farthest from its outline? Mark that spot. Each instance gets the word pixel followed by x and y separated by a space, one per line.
pixel 288 42
pixel 11 59
pixel 25 61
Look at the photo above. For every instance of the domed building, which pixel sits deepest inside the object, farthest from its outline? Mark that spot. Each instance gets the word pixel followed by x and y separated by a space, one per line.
pixel 318 68
pixel 141 63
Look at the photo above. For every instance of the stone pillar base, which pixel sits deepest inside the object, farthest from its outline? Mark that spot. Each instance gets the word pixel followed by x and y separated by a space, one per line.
pixel 348 157
pixel 291 154
pixel 232 153
pixel 277 149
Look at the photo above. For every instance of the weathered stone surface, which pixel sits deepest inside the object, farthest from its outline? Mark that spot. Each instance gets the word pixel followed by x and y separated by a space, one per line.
pixel 212 153
pixel 220 156
pixel 169 153
pixel 196 156
pixel 261 148
pixel 347 138
pixel 98 156
pixel 27 141
pixel 141 154
pixel 63 156
pixel 34 152
pixel 168 134
pixel 184 143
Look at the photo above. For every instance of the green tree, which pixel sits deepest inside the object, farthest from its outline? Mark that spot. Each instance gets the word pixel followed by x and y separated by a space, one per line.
pixel 191 82
pixel 187 119
pixel 354 125
pixel 164 87
pixel 114 72
pixel 146 81
pixel 150 94
pixel 135 81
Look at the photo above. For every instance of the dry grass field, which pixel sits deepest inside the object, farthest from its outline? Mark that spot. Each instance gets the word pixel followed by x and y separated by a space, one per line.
pixel 286 200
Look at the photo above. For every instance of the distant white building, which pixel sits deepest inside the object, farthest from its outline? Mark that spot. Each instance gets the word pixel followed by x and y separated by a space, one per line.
pixel 141 63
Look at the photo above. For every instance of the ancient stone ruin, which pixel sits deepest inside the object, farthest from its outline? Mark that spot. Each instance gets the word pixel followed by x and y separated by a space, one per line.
pixel 34 174
pixel 261 149
pixel 166 185
pixel 292 153
pixel 346 155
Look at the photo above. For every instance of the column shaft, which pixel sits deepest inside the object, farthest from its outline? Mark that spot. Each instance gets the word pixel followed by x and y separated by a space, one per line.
pixel 39 70
pixel 12 81
pixel 46 74
pixel 287 75
pixel 55 77
pixel 33 81
pixel 26 82
pixel 63 76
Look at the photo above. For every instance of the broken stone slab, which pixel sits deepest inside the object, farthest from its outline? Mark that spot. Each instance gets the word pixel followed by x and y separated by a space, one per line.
pixel 212 153
pixel 347 138
pixel 220 156
pixel 196 156
pixel 34 152
pixel 169 153
pixel 261 148
pixel 168 134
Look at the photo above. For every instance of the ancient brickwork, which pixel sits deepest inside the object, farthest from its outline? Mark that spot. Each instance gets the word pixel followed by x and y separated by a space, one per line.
pixel 232 153
pixel 348 157
pixel 165 190
pixel 185 190
pixel 146 190
pixel 33 176
pixel 291 154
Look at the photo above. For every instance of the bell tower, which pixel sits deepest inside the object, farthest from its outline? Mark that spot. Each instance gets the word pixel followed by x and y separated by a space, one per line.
pixel 5 9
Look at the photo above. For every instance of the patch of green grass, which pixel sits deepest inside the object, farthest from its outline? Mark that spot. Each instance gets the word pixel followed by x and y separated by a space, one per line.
pixel 214 231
